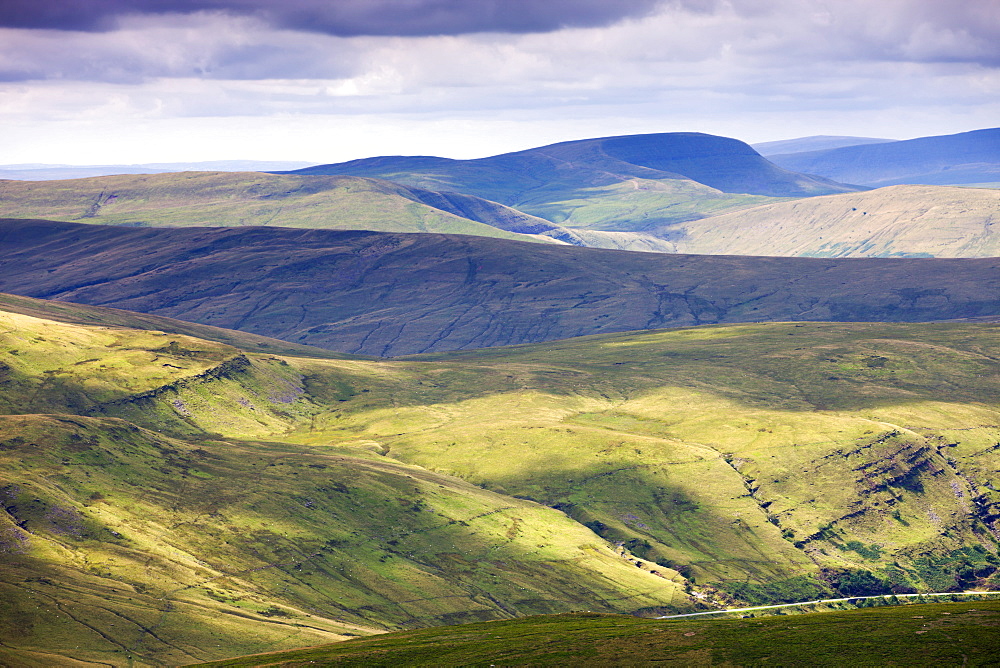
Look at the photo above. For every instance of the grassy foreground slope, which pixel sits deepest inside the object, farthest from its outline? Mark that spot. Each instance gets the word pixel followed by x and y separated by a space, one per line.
pixel 166 543
pixel 394 294
pixel 174 499
pixel 898 221
pixel 939 634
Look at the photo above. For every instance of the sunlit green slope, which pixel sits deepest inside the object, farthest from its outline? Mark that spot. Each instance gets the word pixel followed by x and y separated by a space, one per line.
pixel 898 221
pixel 165 543
pixel 236 199
pixel 743 455
pixel 170 485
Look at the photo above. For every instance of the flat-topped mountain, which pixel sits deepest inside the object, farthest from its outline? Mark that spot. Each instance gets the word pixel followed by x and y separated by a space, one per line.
pixel 652 179
pixel 394 294
pixel 967 157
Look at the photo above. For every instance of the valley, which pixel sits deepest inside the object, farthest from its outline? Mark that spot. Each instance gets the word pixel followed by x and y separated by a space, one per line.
pixel 388 399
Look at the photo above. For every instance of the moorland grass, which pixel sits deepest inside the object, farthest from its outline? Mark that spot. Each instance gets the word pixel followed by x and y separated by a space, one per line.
pixel 216 506
pixel 933 634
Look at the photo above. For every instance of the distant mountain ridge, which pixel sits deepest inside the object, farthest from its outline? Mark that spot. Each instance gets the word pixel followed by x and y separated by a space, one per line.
pixel 814 143
pixel 967 157
pixel 395 294
pixel 46 172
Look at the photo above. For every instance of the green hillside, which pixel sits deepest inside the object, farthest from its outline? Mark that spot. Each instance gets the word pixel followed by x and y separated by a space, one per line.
pixel 898 221
pixel 174 499
pixel 914 635
pixel 186 538
pixel 237 199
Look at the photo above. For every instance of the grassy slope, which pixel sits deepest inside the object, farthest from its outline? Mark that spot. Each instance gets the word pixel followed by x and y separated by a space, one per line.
pixel 768 461
pixel 635 205
pixel 758 452
pixel 234 199
pixel 173 545
pixel 323 202
pixel 914 635
pixel 928 221
pixel 81 314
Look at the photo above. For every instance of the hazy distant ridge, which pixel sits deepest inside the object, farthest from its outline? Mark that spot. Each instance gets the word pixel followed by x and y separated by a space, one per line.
pixel 967 157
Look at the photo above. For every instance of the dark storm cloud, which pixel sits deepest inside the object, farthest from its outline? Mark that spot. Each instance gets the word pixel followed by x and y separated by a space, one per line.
pixel 343 18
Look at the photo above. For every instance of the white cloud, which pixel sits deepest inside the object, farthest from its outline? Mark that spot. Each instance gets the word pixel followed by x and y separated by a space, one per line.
pixel 756 70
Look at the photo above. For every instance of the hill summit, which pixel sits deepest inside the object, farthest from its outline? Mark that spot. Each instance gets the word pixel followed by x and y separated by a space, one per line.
pixel 545 181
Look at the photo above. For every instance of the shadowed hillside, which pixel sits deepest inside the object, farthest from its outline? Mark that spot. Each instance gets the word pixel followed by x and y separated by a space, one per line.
pixel 394 294
pixel 968 157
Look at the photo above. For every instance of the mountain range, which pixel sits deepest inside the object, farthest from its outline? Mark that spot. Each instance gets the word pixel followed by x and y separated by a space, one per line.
pixel 616 193
pixel 462 415
pixel 815 143
pixel 655 179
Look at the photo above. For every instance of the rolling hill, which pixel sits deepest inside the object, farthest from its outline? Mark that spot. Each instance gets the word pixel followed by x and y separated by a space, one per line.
pixel 395 294
pixel 171 499
pixel 967 157
pixel 225 199
pixel 627 183
pixel 897 221
pixel 250 199
pixel 165 543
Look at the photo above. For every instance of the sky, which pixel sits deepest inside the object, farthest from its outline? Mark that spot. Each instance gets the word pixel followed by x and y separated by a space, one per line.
pixel 132 81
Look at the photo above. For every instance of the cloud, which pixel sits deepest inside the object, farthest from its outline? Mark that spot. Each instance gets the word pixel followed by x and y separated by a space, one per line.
pixel 598 66
pixel 343 18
